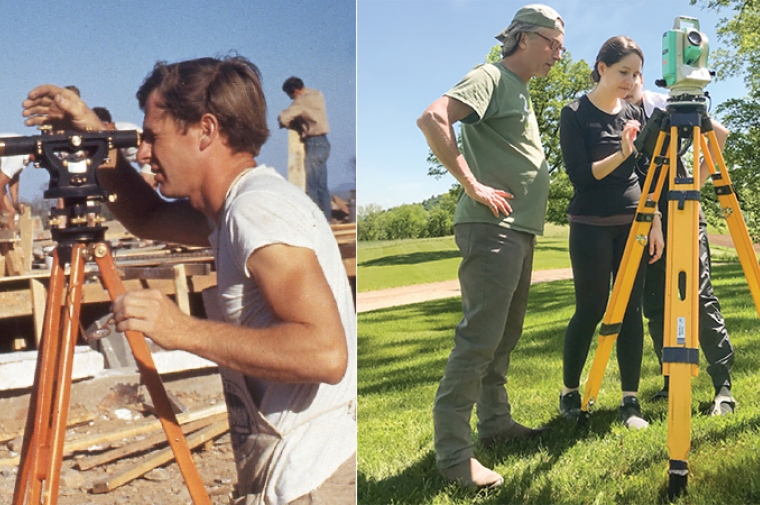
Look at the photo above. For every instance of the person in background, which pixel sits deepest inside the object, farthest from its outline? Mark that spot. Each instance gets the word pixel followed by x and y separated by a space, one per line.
pixel 10 172
pixel 308 116
pixel 130 153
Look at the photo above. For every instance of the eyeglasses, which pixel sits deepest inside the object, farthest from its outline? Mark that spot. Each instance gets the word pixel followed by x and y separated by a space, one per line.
pixel 554 45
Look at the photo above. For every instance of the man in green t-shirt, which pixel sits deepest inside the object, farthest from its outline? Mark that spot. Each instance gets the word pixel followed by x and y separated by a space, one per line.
pixel 505 178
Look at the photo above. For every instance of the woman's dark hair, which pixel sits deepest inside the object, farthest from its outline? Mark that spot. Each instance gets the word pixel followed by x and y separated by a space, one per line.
pixel 229 88
pixel 614 50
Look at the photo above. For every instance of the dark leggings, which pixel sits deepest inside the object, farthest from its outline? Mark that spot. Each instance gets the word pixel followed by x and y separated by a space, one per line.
pixel 596 253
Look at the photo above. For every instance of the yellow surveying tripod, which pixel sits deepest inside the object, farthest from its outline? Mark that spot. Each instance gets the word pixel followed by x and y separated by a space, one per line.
pixel 686 118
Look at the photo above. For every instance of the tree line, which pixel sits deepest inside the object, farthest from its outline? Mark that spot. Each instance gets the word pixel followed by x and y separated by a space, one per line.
pixel 566 81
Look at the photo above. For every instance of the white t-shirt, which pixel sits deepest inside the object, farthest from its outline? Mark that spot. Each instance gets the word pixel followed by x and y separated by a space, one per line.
pixel 11 165
pixel 651 101
pixel 315 422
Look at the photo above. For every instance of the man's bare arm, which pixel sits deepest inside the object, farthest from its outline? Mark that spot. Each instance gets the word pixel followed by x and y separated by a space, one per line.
pixel 307 343
pixel 144 213
pixel 437 124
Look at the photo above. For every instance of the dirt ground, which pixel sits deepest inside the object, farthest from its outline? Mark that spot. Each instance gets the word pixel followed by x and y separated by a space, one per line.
pixel 110 404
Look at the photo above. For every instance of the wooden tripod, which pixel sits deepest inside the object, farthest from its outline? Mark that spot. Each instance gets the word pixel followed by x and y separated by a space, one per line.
pixel 42 450
pixel 680 355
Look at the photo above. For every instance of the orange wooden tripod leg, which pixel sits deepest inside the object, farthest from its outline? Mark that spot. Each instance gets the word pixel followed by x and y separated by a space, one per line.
pixel 732 213
pixel 153 383
pixel 37 430
pixel 66 364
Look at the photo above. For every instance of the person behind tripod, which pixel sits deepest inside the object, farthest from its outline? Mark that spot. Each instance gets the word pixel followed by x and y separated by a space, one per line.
pixel 713 336
pixel 10 171
pixel 597 132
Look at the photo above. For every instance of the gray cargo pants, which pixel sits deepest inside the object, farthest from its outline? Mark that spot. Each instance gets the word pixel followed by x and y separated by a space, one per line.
pixel 495 279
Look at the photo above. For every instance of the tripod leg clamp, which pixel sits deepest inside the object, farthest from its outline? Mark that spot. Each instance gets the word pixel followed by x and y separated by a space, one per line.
pixel 680 355
pixel 610 329
pixel 725 189
pixel 682 196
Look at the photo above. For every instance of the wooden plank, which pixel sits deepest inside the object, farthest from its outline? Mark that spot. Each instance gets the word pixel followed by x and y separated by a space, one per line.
pixel 155 460
pixel 13 263
pixel 26 228
pixel 39 300
pixel 296 157
pixel 26 295
pixel 350 265
pixel 74 420
pixel 145 444
pixel 164 272
pixel 15 303
pixel 130 431
pixel 181 292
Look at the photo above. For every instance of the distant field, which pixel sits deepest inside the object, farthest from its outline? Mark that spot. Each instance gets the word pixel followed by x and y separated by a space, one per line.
pixel 387 264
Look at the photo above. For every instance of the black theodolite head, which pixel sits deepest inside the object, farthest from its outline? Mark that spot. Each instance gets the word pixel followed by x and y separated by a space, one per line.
pixel 72 159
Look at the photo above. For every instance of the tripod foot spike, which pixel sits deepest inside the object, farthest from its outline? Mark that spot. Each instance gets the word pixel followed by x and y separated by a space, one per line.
pixel 679 476
pixel 583 419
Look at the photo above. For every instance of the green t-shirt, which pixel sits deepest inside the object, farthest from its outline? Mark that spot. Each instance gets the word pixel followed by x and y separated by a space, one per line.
pixel 502 146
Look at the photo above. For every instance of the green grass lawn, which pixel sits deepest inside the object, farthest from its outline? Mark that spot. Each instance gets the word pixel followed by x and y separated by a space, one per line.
pixel 402 354
pixel 388 264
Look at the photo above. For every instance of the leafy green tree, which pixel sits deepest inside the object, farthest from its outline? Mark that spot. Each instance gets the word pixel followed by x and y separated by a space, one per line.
pixel 566 81
pixel 406 221
pixel 739 56
pixel 370 223
pixel 441 222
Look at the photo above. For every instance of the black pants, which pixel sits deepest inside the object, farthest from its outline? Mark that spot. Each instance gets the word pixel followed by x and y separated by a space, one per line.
pixel 596 253
pixel 713 337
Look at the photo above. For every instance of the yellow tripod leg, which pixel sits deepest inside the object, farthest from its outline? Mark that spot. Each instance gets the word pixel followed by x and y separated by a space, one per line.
pixel 736 225
pixel 680 352
pixel 638 238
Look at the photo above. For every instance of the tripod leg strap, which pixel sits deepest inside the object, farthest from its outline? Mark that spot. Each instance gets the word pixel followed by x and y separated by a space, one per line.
pixel 680 355
pixel 678 467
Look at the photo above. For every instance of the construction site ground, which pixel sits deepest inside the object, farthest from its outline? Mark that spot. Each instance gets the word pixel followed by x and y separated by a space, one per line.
pixel 112 404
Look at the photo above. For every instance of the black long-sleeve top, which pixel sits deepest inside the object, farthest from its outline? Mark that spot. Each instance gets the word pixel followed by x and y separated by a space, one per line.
pixel 588 134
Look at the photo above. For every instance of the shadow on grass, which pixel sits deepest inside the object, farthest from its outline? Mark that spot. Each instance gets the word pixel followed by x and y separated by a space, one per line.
pixel 410 259
pixel 421 482
pixel 415 341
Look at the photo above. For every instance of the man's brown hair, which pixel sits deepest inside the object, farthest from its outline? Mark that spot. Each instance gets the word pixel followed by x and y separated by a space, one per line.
pixel 228 88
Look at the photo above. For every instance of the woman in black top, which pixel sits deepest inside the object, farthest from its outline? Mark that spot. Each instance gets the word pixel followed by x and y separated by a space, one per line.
pixel 597 132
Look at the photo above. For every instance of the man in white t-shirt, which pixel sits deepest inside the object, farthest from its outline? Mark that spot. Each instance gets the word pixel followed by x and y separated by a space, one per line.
pixel 286 348
pixel 10 171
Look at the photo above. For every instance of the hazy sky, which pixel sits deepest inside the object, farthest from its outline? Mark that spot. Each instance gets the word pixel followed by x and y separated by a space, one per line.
pixel 107 48
pixel 410 52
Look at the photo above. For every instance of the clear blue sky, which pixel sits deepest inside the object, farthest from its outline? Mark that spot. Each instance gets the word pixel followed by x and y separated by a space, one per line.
pixel 412 51
pixel 106 48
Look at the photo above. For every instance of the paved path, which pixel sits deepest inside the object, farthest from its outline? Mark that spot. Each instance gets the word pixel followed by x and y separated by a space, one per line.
pixel 393 297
